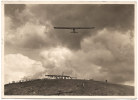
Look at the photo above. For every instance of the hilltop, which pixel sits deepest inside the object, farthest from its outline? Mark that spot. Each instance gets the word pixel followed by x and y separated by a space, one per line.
pixel 72 87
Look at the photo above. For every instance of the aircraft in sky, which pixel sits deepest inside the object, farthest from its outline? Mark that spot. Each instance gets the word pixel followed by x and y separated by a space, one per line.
pixel 74 28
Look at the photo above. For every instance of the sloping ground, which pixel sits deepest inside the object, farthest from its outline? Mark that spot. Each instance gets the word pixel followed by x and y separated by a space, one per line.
pixel 68 87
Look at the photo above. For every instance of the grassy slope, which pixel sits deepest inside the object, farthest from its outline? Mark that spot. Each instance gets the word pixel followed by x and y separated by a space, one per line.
pixel 67 87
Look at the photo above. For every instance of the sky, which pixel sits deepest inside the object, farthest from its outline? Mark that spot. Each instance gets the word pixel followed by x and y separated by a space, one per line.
pixel 33 48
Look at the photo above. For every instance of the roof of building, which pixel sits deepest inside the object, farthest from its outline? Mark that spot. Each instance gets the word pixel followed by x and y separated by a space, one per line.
pixel 57 75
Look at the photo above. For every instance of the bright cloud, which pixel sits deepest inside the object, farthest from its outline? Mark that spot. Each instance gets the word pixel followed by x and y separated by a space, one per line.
pixel 56 60
pixel 17 66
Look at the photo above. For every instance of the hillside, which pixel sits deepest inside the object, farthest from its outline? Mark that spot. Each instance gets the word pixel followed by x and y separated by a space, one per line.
pixel 68 87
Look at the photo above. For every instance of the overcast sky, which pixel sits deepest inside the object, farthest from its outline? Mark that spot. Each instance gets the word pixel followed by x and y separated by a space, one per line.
pixel 34 48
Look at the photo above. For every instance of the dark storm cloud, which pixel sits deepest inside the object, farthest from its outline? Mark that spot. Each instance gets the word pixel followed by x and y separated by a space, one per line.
pixel 114 17
pixel 12 11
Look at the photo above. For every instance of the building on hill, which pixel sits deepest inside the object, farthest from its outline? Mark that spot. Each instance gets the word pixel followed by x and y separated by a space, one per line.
pixel 58 77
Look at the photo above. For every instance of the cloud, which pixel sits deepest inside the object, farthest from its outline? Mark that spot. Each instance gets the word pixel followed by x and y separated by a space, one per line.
pixel 12 11
pixel 55 60
pixel 114 52
pixel 17 67
pixel 29 35
pixel 77 64
pixel 86 14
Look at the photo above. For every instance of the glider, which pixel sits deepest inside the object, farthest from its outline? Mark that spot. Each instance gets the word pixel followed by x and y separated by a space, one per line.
pixel 74 28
